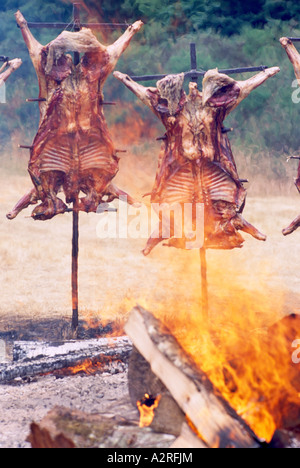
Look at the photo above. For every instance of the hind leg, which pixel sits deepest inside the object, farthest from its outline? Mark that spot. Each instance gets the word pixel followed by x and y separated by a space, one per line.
pixel 31 198
pixel 292 227
pixel 52 205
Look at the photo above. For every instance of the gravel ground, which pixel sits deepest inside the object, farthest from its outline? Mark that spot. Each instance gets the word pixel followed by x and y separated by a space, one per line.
pixel 22 403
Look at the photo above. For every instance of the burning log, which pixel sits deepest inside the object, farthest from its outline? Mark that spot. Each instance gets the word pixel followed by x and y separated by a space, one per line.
pixel 32 358
pixel 12 66
pixel 196 164
pixel 211 418
pixel 157 407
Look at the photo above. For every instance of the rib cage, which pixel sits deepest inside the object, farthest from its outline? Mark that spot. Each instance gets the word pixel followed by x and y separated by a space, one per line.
pixel 196 164
pixel 66 154
pixel 179 188
pixel 219 185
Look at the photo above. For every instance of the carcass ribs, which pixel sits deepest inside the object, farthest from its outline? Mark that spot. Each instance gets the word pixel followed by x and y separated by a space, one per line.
pixel 9 68
pixel 196 164
pixel 294 57
pixel 73 150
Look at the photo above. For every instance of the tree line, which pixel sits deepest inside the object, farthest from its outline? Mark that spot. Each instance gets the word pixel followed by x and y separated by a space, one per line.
pixel 228 33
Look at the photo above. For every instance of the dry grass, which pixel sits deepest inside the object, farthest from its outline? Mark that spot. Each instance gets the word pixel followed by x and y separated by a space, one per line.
pixel 114 276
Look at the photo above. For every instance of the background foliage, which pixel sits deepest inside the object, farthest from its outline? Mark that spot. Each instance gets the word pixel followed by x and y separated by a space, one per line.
pixel 228 33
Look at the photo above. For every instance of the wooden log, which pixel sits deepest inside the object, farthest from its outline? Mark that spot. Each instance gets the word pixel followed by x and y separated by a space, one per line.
pixel 216 423
pixel 66 428
pixel 187 439
pixel 168 417
pixel 32 358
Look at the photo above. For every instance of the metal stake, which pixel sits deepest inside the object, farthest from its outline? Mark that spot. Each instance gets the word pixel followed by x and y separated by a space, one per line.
pixel 75 237
pixel 203 262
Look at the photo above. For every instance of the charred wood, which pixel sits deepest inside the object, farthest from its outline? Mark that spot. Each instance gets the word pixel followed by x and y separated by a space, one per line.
pixel 213 420
pixel 32 358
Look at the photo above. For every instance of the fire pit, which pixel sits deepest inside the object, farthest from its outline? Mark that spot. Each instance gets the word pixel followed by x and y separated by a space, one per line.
pixel 246 394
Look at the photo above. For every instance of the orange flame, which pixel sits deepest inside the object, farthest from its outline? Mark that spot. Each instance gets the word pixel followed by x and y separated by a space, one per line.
pixel 147 407
pixel 252 368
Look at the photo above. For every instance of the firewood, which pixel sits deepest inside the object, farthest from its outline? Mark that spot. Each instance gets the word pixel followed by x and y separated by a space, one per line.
pixel 32 358
pixel 168 416
pixel 216 423
pixel 66 428
pixel 187 439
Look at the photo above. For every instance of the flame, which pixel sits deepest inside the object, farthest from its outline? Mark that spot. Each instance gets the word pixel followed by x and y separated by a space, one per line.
pixel 88 367
pixel 247 358
pixel 147 407
pixel 250 367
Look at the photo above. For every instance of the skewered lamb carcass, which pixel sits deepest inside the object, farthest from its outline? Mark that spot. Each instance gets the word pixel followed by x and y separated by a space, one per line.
pixel 73 150
pixel 196 164
pixel 294 57
pixel 8 68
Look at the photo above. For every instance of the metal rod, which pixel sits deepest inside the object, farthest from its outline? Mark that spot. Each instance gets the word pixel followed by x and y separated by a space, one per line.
pixel 193 74
pixel 36 100
pixel 75 236
pixel 4 59
pixel 227 130
pixel 294 39
pixel 193 53
pixel 25 147
pixel 163 138
pixel 71 25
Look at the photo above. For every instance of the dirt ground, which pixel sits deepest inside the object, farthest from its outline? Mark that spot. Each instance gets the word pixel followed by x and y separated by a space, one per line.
pixel 114 276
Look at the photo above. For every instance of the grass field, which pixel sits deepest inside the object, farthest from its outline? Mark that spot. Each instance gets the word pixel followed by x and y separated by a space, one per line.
pixel 114 275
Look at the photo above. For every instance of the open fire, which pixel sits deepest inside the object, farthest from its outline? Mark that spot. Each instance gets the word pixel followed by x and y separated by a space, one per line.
pixel 250 369
pixel 147 407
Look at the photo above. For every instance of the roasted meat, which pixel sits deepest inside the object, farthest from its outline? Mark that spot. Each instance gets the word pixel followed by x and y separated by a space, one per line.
pixel 72 151
pixel 294 57
pixel 196 165
pixel 8 68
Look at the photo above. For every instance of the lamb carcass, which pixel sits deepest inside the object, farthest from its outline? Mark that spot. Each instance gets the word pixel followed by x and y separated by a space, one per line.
pixel 196 164
pixel 73 150
pixel 8 68
pixel 294 57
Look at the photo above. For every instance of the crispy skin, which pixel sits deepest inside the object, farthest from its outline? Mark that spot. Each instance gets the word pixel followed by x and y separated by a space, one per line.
pixel 196 164
pixel 72 150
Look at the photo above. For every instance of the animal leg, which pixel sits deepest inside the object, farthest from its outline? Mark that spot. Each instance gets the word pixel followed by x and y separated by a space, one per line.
pixel 31 198
pixel 52 205
pixel 241 224
pixel 292 227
